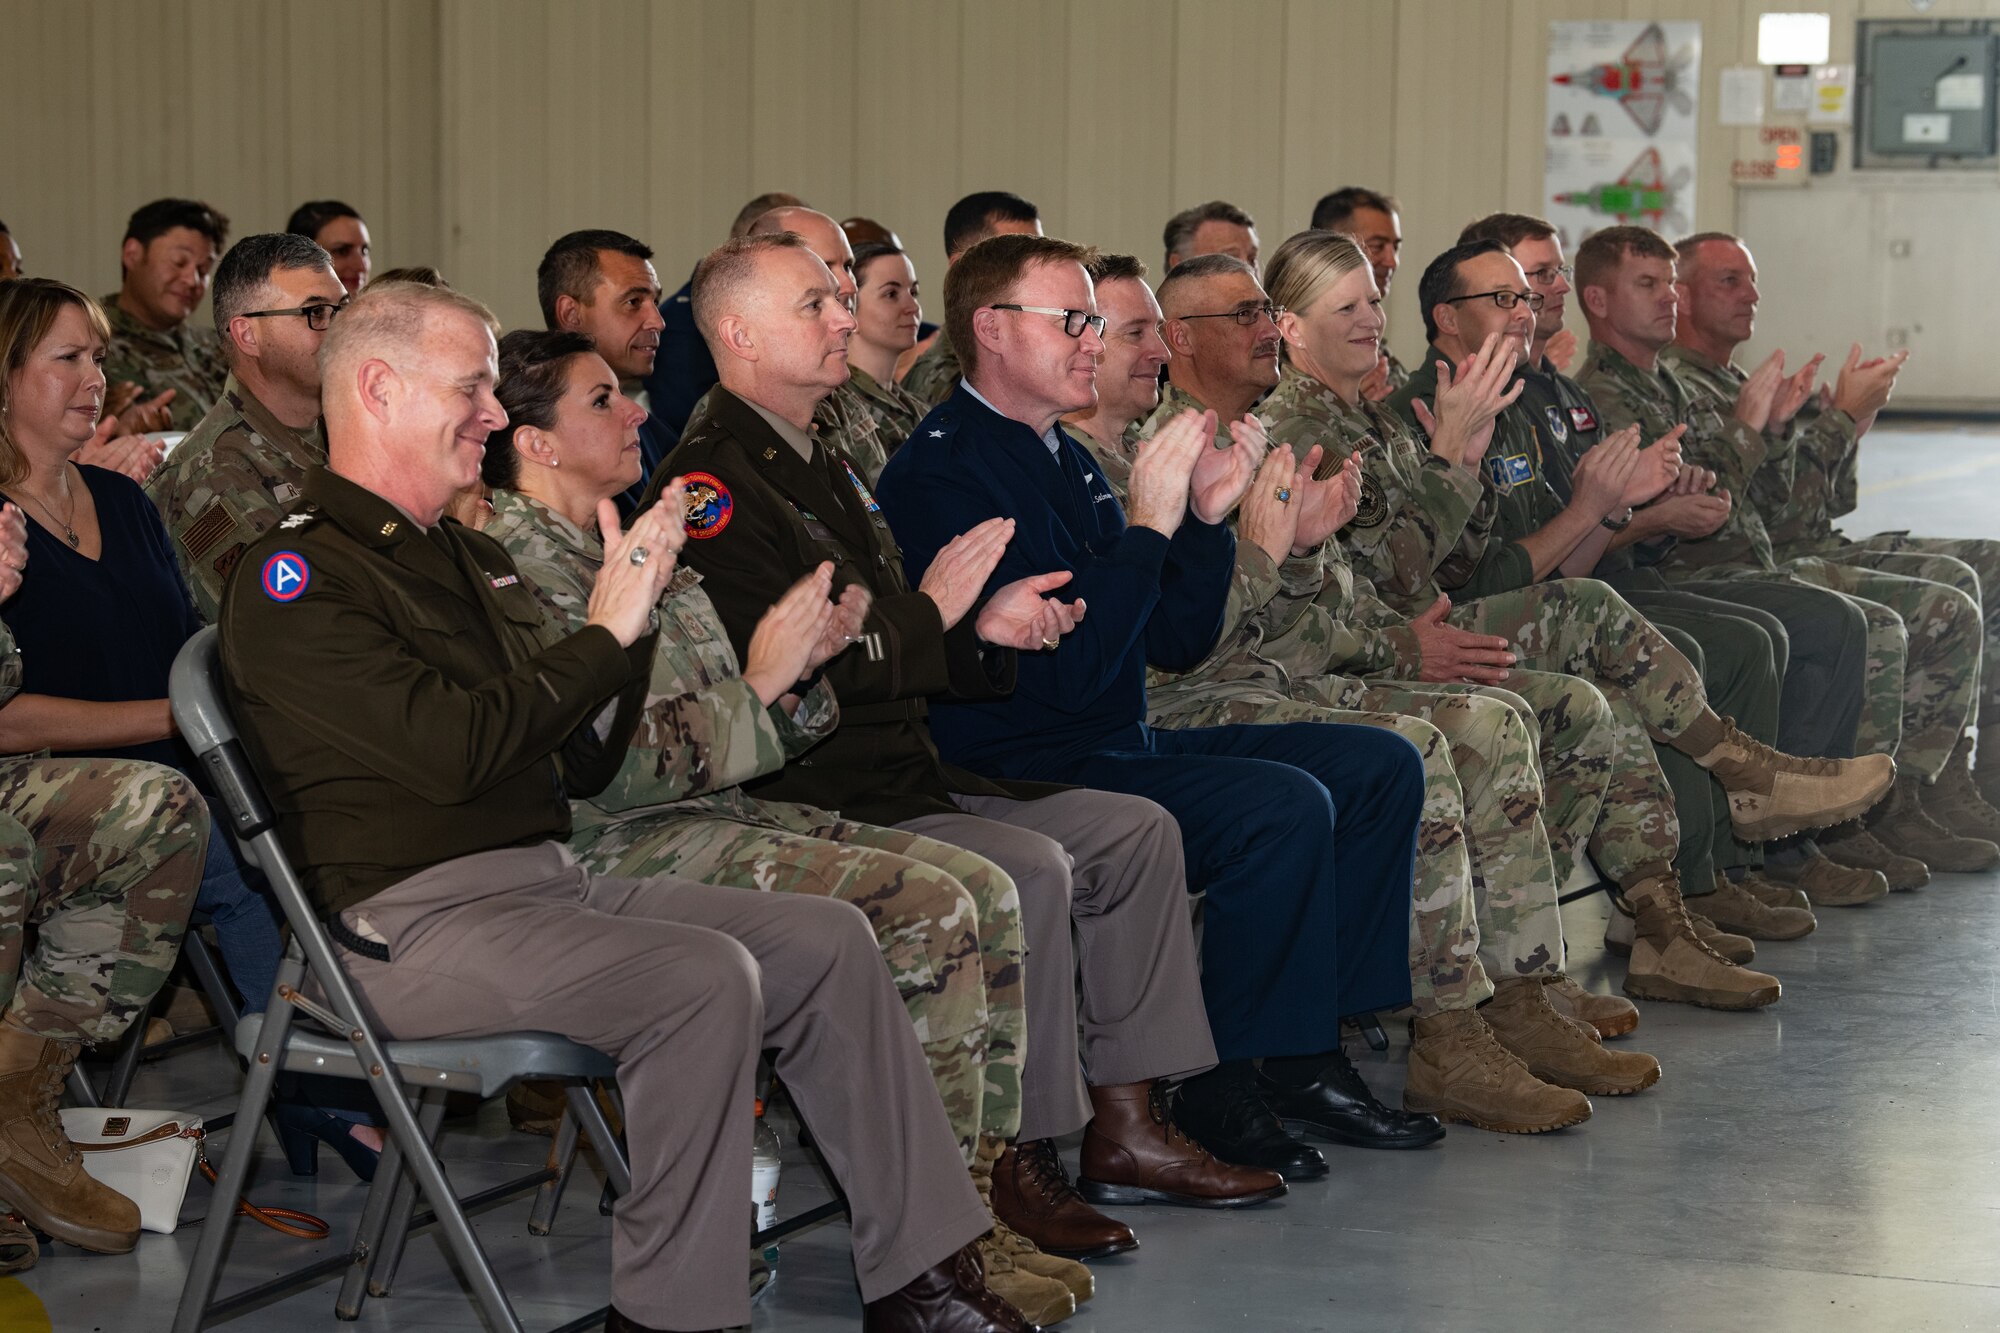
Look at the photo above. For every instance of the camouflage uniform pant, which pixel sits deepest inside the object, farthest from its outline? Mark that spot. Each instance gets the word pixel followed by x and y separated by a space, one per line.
pixel 1919 699
pixel 935 909
pixel 1494 740
pixel 1581 627
pixel 102 857
pixel 1969 564
pixel 1446 925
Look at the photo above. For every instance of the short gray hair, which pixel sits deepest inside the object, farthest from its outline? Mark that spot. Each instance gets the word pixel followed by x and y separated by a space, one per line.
pixel 388 319
pixel 1181 227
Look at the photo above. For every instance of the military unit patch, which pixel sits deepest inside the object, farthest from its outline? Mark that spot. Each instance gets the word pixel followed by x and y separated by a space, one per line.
pixel 1558 427
pixel 1373 510
pixel 1584 418
pixel 1510 471
pixel 710 506
pixel 286 576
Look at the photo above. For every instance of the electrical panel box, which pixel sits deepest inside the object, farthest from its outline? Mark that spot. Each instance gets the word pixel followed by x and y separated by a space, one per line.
pixel 1927 93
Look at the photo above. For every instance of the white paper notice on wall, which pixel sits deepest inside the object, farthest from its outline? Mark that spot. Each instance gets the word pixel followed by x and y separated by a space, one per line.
pixel 1791 91
pixel 1927 127
pixel 1833 95
pixel 1961 92
pixel 1742 96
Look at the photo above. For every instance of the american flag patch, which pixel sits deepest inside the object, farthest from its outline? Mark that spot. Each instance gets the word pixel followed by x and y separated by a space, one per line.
pixel 214 523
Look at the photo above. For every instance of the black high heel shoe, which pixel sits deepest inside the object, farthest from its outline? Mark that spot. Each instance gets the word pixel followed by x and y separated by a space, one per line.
pixel 302 1128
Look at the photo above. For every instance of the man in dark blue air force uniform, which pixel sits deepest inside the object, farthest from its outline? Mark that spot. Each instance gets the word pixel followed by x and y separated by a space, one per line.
pixel 1307 917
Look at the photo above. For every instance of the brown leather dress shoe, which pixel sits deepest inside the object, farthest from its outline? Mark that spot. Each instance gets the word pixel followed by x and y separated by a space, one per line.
pixel 1032 1194
pixel 950 1297
pixel 1133 1152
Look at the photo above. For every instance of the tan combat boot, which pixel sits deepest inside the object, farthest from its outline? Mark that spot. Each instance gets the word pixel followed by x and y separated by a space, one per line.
pixel 1623 928
pixel 1734 908
pixel 1824 882
pixel 41 1171
pixel 1852 845
pixel 1669 961
pixel 1766 889
pixel 1560 1050
pixel 1609 1015
pixel 18 1247
pixel 1986 772
pixel 1955 801
pixel 1460 1071
pixel 1044 1298
pixel 1773 794
pixel 1904 827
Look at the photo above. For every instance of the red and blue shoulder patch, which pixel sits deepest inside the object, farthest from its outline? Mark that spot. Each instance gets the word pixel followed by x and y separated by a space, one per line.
pixel 708 507
pixel 286 576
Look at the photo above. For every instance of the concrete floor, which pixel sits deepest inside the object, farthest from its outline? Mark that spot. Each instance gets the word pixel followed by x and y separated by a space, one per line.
pixel 1827 1164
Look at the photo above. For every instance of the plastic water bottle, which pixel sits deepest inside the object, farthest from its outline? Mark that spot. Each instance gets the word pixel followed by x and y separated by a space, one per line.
pixel 766 1161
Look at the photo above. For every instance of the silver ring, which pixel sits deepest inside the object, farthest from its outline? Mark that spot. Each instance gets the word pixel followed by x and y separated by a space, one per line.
pixel 640 555
pixel 1284 495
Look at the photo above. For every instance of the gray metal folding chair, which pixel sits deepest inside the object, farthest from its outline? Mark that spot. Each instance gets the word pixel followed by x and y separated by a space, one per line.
pixel 485 1066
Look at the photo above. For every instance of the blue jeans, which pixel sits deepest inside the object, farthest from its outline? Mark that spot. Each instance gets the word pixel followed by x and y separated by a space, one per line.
pixel 246 923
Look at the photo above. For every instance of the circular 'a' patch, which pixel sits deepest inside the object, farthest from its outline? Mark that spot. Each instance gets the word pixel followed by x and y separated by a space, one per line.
pixel 285 576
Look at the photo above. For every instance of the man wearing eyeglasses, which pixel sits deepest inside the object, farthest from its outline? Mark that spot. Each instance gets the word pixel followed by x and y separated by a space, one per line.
pixel 1818 640
pixel 1307 911
pixel 237 472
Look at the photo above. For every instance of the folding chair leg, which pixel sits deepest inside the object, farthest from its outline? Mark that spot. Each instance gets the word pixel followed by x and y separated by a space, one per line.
pixel 118 1083
pixel 562 1160
pixel 389 1255
pixel 207 1266
pixel 201 961
pixel 80 1090
pixel 1372 1033
pixel 391 1175
pixel 610 1148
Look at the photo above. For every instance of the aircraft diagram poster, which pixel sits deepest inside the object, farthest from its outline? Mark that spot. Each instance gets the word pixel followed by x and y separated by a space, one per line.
pixel 1621 126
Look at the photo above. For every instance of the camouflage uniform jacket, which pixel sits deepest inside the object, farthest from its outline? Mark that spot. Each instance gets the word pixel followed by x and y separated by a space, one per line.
pixel 1661 400
pixel 1813 481
pixel 10 665
pixel 846 416
pixel 1310 616
pixel 1419 526
pixel 228 483
pixel 186 359
pixel 934 374
pixel 703 731
pixel 1517 498
pixel 894 410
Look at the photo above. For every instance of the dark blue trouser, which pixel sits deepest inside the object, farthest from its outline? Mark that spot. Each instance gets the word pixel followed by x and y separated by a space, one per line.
pixel 1304 838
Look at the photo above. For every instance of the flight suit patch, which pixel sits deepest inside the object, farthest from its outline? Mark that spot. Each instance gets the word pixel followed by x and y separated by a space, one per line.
pixel 1557 426
pixel 709 507
pixel 1584 418
pixel 1510 471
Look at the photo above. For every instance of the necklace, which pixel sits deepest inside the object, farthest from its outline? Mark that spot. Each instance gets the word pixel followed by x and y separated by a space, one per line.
pixel 69 533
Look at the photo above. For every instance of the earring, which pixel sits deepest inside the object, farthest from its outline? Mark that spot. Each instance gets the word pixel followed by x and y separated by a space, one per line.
pixel 555 462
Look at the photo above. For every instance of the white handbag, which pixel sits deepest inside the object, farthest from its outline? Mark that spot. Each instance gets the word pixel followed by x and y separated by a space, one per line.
pixel 147 1156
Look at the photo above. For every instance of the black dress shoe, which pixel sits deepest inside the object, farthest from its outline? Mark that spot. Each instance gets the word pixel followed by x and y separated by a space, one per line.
pixel 1339 1108
pixel 1235 1124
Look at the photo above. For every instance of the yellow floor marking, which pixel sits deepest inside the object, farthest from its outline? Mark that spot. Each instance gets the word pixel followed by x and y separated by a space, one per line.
pixel 21 1311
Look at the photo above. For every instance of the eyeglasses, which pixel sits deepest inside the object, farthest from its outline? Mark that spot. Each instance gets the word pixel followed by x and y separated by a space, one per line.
pixel 1503 298
pixel 1244 315
pixel 1074 321
pixel 1546 277
pixel 318 316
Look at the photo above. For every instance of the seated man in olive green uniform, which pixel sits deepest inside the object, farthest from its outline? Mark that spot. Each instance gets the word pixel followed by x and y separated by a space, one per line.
pixel 1800 491
pixel 1924 638
pixel 1536 536
pixel 238 472
pixel 169 251
pixel 1819 638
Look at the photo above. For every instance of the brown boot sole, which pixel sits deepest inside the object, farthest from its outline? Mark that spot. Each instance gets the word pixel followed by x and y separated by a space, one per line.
pixel 1607 1028
pixel 1089 1252
pixel 1673 992
pixel 1099 1192
pixel 1459 1116
pixel 1759 933
pixel 1598 1087
pixel 94 1239
pixel 1623 950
